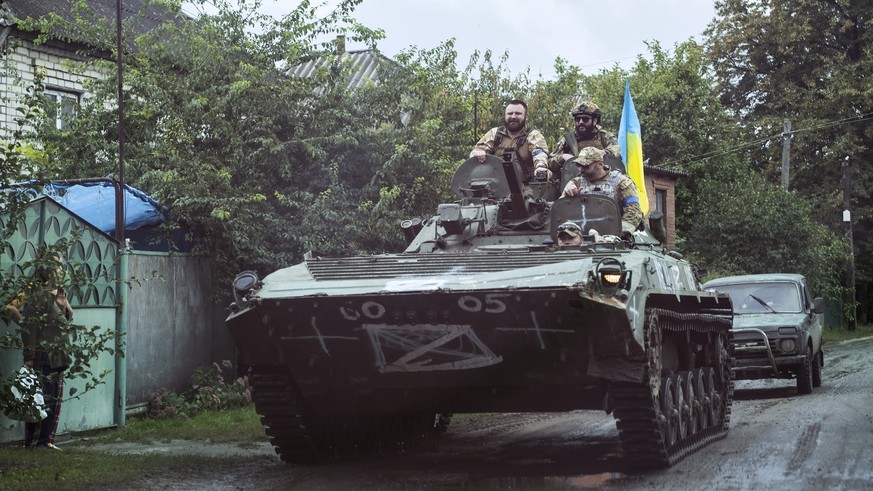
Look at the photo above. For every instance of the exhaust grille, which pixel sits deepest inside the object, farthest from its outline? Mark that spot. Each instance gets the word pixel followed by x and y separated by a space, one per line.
pixel 421 265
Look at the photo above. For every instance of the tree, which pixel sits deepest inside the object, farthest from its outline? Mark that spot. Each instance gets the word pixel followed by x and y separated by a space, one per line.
pixel 763 228
pixel 686 128
pixel 261 166
pixel 774 63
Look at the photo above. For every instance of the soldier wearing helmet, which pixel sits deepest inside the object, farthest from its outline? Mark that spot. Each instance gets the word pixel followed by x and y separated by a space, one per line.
pixel 527 145
pixel 587 133
pixel 595 177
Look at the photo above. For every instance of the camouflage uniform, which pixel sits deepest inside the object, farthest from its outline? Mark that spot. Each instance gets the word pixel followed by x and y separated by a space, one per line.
pixel 603 140
pixel 529 148
pixel 615 185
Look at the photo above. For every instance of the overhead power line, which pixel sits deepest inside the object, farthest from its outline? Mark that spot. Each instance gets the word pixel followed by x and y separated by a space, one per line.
pixel 828 124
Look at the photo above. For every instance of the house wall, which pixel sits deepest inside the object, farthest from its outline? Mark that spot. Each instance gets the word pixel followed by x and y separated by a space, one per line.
pixel 172 325
pixel 61 74
pixel 654 182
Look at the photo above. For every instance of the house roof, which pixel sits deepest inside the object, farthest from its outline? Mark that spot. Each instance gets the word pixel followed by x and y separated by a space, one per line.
pixel 149 16
pixel 664 172
pixel 365 67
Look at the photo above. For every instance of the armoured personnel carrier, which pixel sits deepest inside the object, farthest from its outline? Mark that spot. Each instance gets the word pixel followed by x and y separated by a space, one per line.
pixel 484 312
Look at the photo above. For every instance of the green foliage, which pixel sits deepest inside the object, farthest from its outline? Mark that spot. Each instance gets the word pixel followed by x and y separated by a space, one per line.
pixel 762 228
pixel 211 390
pixel 262 167
pixel 772 64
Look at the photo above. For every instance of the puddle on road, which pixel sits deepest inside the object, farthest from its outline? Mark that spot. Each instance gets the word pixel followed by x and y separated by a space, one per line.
pixel 586 481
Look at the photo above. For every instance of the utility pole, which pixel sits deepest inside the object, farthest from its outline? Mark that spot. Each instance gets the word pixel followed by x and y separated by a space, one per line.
pixel 786 151
pixel 120 407
pixel 475 116
pixel 847 224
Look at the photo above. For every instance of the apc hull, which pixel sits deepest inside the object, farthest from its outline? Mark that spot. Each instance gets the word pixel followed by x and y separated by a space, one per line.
pixel 484 312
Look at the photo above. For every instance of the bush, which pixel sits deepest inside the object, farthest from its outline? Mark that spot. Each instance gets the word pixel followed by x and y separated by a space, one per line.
pixel 211 390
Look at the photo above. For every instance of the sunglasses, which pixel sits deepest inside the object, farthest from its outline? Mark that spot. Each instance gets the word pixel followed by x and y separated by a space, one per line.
pixel 570 226
pixel 584 119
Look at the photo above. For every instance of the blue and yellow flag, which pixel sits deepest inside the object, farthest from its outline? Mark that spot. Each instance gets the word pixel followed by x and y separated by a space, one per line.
pixel 631 141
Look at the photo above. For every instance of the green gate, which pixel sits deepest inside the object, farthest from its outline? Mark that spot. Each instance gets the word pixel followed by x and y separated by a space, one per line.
pixel 97 304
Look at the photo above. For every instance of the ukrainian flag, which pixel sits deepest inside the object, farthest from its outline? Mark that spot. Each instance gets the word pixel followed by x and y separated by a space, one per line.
pixel 630 139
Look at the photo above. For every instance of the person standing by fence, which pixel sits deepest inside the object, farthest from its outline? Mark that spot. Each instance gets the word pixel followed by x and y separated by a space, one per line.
pixel 43 311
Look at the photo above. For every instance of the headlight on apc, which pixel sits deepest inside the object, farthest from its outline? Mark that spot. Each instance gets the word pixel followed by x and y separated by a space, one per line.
pixel 610 278
pixel 243 285
pixel 787 345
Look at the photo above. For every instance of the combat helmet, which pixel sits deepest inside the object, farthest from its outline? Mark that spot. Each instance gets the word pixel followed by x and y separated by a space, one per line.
pixel 586 107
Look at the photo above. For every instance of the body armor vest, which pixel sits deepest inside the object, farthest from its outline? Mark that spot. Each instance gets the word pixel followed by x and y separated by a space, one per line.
pixel 574 145
pixel 608 186
pixel 520 152
pixel 592 142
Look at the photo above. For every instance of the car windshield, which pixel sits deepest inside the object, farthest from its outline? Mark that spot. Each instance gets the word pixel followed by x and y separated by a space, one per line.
pixel 754 298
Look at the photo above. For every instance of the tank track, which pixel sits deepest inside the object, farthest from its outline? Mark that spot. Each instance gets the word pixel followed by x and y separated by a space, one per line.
pixel 299 435
pixel 658 426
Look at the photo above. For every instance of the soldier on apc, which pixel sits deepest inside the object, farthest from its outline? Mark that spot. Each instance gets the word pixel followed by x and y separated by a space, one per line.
pixel 587 133
pixel 569 234
pixel 595 177
pixel 527 145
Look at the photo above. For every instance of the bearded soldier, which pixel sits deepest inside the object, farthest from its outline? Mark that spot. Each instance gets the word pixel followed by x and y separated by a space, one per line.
pixel 587 133
pixel 527 145
pixel 595 177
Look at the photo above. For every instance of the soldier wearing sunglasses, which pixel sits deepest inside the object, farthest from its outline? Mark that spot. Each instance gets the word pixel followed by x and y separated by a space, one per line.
pixel 587 133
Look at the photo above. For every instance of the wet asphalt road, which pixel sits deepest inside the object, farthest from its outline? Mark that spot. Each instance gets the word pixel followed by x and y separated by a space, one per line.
pixel 779 440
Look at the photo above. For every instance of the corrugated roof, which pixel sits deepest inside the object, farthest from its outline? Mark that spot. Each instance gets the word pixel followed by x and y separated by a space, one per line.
pixel 365 67
pixel 663 171
pixel 97 10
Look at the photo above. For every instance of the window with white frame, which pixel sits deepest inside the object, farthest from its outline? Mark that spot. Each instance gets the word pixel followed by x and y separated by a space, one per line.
pixel 62 106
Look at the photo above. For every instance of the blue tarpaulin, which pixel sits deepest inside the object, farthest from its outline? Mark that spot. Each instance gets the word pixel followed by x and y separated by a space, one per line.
pixel 94 202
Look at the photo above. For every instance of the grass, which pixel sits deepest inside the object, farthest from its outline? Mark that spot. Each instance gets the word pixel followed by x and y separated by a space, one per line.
pixel 838 335
pixel 76 467
pixel 48 469
pixel 232 425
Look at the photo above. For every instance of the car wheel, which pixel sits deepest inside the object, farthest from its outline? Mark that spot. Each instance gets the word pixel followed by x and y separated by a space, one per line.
pixel 816 370
pixel 804 373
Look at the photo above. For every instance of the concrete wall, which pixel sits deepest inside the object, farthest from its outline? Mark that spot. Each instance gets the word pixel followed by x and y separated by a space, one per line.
pixel 172 325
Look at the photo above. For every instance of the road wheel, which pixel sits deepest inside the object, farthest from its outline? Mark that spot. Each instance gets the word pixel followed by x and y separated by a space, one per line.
pixel 680 403
pixel 816 370
pixel 692 399
pixel 716 406
pixel 703 402
pixel 804 374
pixel 670 429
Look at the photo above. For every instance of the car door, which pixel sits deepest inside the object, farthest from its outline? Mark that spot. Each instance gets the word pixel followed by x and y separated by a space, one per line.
pixel 815 320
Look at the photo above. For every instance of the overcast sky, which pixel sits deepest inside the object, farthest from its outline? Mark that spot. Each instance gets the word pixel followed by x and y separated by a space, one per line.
pixel 589 34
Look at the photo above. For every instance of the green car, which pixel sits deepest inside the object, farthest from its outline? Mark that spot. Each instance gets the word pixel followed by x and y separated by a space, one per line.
pixel 777 327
